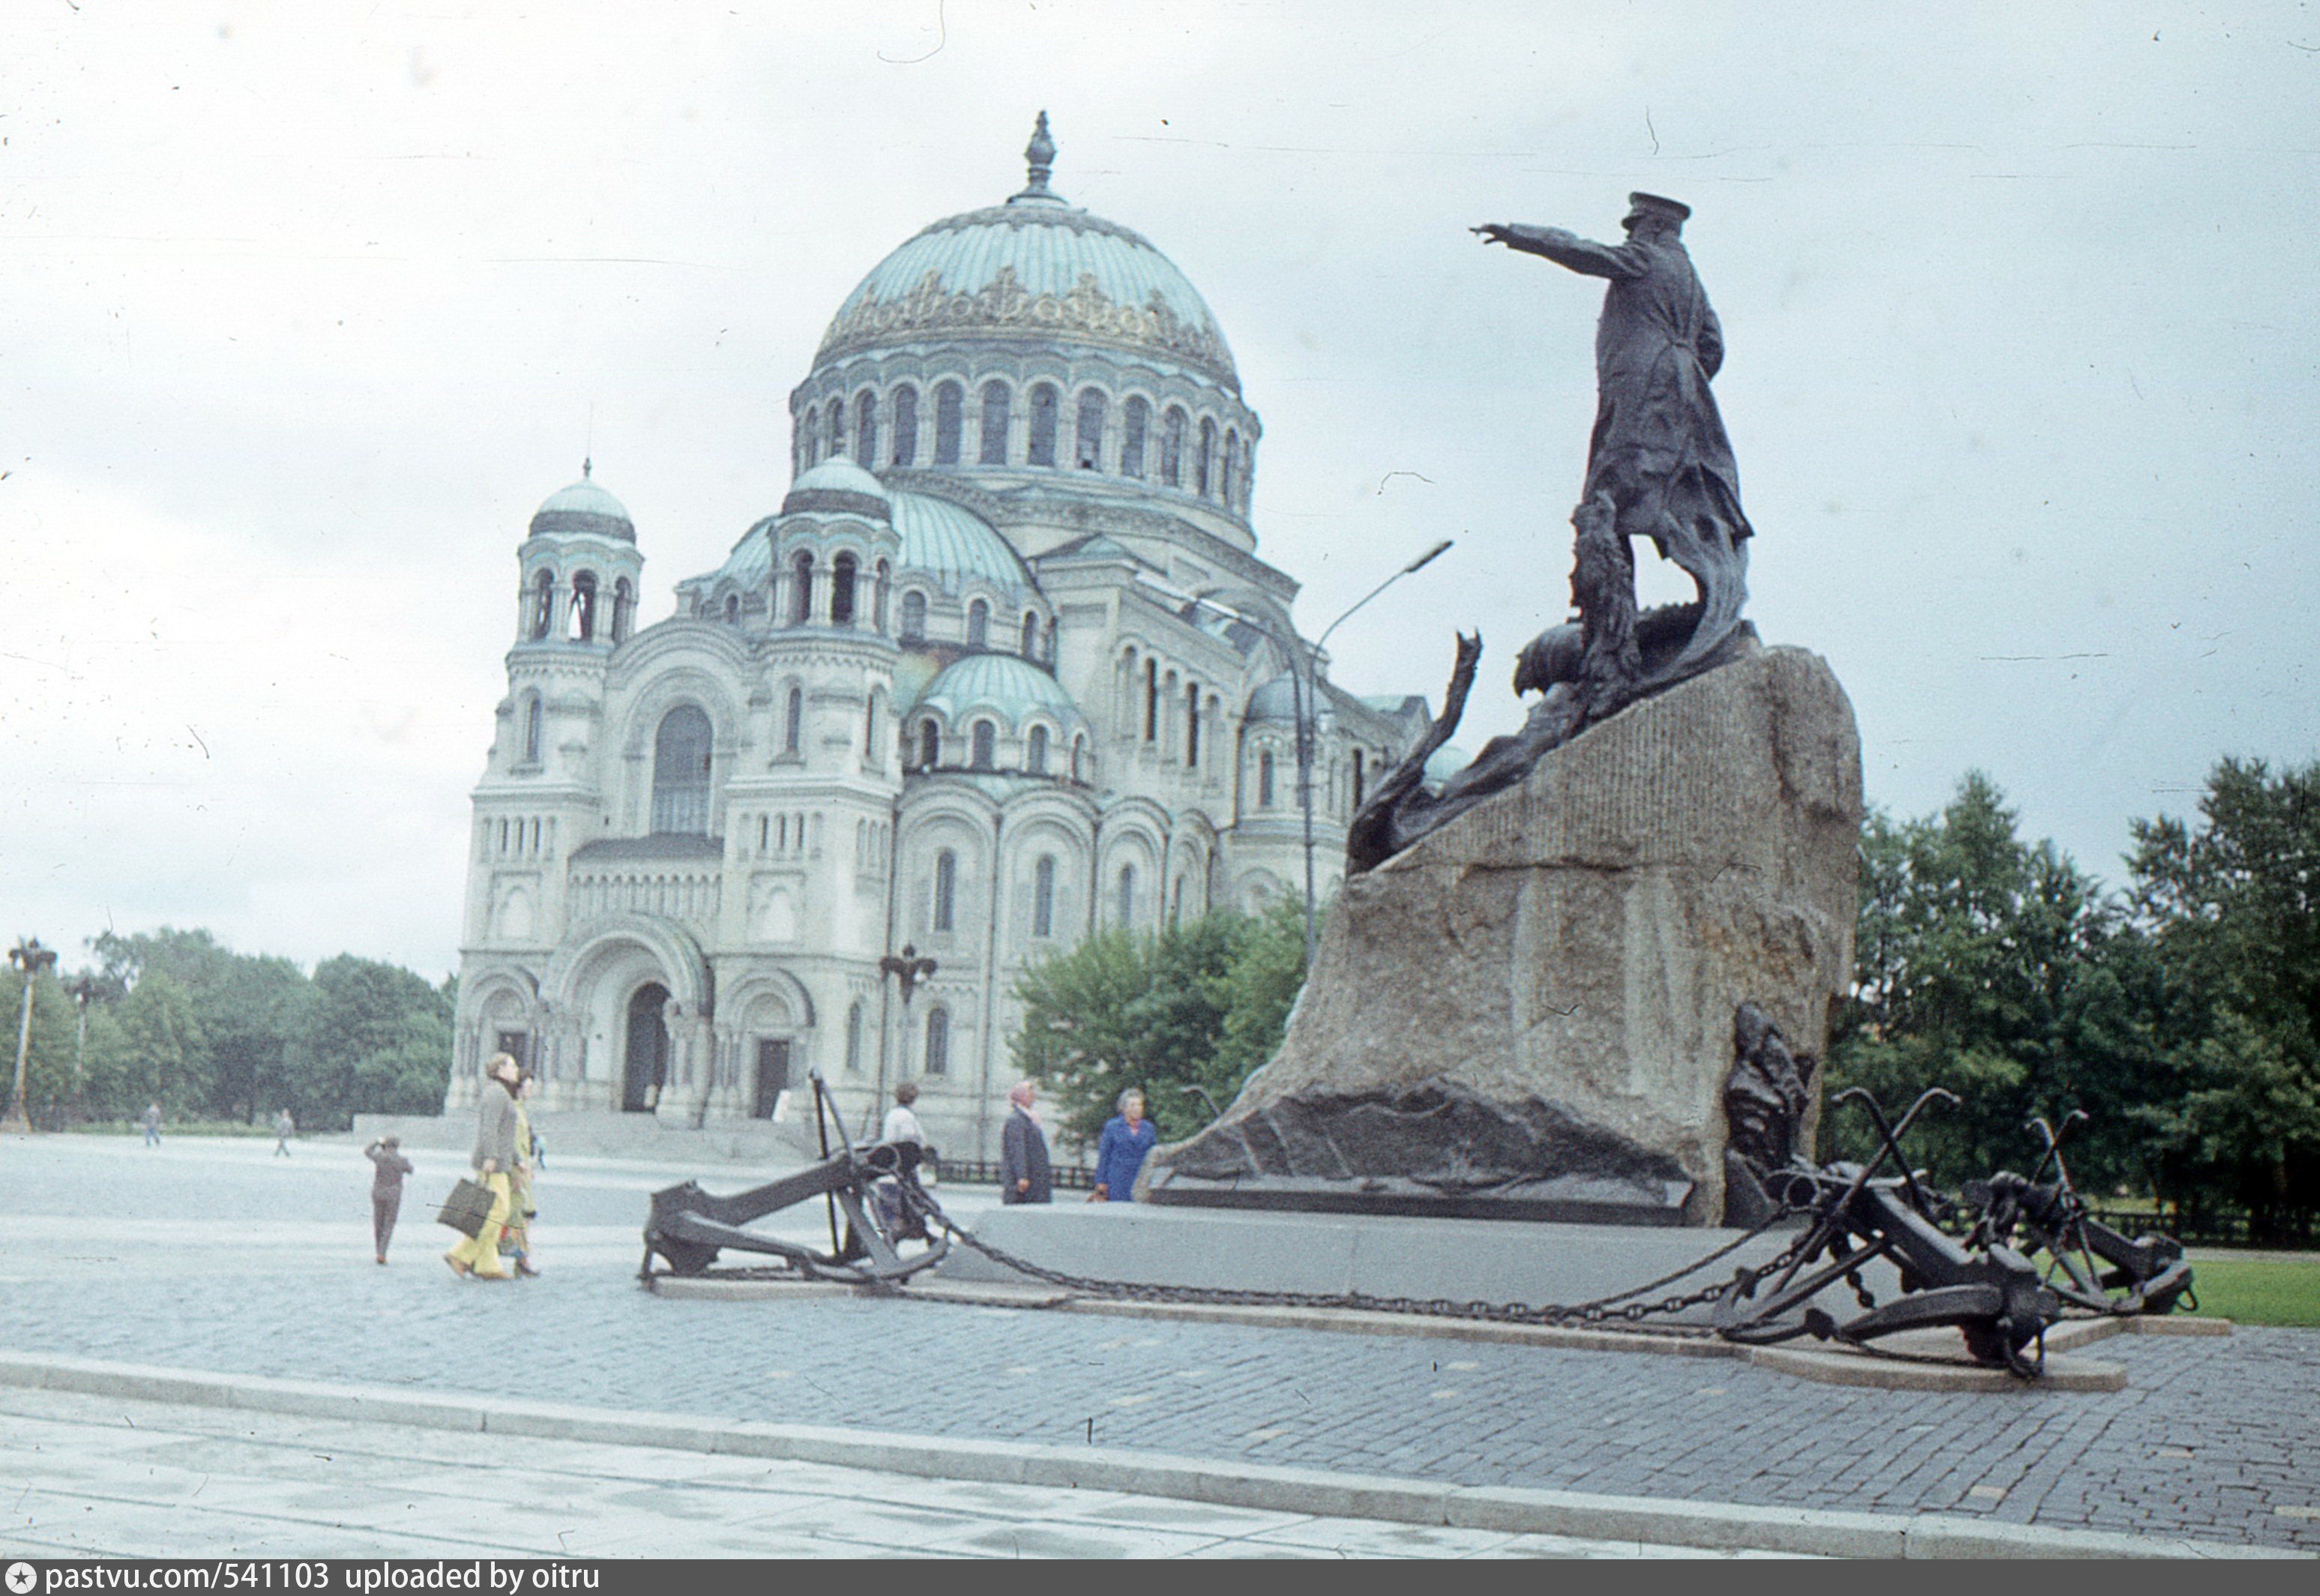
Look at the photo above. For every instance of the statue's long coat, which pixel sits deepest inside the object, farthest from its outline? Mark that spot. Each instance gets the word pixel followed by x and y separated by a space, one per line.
pixel 1657 431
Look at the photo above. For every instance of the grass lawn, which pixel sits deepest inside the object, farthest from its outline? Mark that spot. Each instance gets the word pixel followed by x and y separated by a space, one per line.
pixel 2257 1290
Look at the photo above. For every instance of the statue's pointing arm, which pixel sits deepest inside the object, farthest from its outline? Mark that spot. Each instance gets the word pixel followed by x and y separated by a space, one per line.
pixel 1566 248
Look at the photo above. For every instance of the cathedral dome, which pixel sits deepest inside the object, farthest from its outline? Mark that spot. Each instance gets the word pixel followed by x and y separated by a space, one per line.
pixel 584 507
pixel 1001 684
pixel 1036 267
pixel 951 542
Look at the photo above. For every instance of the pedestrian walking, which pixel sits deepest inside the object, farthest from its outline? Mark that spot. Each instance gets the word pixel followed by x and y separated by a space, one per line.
pixel 1024 1173
pixel 284 1127
pixel 1127 1136
pixel 902 1125
pixel 388 1166
pixel 517 1242
pixel 494 1160
pixel 153 1124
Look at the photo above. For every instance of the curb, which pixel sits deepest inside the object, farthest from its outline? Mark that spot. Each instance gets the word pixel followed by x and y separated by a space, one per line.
pixel 1705 1526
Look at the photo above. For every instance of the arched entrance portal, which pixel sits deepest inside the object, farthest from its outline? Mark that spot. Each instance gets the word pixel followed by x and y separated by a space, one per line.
pixel 645 1069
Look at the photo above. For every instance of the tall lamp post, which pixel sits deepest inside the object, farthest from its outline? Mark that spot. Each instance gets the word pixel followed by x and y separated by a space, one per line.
pixel 913 970
pixel 30 958
pixel 82 990
pixel 1307 694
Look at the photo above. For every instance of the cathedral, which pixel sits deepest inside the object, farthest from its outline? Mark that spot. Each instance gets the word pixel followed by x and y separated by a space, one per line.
pixel 1004 668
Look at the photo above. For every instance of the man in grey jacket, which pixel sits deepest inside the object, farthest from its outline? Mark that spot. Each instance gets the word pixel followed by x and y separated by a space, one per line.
pixel 494 1158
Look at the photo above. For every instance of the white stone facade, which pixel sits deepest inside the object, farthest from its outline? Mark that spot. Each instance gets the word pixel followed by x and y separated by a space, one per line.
pixel 1003 668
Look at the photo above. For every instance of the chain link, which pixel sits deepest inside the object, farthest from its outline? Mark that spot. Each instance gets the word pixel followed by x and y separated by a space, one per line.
pixel 1619 1312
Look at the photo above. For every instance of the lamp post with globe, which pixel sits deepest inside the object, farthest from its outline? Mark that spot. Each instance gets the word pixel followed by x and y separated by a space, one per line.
pixel 32 959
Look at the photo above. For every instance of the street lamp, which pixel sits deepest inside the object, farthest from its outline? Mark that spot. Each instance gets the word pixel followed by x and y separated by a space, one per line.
pixel 1308 712
pixel 913 970
pixel 30 958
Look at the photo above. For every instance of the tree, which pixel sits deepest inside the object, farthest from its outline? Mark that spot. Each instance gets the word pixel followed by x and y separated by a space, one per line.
pixel 2232 906
pixel 377 1039
pixel 163 1056
pixel 1980 967
pixel 1202 1004
pixel 48 1079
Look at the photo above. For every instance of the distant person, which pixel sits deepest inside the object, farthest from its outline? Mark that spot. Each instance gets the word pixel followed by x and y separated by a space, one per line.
pixel 1024 1173
pixel 902 1125
pixel 494 1160
pixel 388 1166
pixel 1120 1152
pixel 284 1127
pixel 517 1241
pixel 152 1125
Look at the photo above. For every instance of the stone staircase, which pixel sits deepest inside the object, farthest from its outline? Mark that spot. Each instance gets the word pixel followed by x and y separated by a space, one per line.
pixel 602 1133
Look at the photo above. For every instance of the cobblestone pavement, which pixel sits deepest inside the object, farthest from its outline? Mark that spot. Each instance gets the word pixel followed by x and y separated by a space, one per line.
pixel 97 1477
pixel 214 1256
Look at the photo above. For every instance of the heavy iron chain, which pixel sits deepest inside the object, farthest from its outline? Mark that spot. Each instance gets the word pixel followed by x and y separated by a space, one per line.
pixel 1621 1311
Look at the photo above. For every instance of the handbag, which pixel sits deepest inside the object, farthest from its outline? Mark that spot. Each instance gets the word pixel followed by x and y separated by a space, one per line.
pixel 467 1208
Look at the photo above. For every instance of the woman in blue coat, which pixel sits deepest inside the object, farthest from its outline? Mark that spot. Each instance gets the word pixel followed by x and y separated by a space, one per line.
pixel 1120 1152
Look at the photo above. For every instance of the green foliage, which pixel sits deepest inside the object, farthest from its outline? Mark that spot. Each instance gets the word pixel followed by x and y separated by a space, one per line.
pixel 2257 1290
pixel 211 1034
pixel 49 1076
pixel 1202 1004
pixel 2232 906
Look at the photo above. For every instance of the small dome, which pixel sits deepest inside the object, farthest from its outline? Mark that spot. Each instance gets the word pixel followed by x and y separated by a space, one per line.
pixel 839 475
pixel 584 507
pixel 950 541
pixel 1276 699
pixel 1003 684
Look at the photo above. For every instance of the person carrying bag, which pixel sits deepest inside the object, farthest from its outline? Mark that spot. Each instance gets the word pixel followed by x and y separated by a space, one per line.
pixel 479 1257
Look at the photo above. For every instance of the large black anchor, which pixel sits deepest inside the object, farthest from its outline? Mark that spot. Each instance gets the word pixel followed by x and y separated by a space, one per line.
pixel 2087 1263
pixel 687 1227
pixel 1989 1291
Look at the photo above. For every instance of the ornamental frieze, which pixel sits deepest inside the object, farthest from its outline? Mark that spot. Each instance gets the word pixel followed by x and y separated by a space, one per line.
pixel 1005 306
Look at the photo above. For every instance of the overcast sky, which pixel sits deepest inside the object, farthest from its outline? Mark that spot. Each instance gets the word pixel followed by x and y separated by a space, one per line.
pixel 307 306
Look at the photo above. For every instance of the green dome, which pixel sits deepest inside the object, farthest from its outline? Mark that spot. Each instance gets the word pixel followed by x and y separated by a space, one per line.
pixel 950 541
pixel 1005 685
pixel 1035 267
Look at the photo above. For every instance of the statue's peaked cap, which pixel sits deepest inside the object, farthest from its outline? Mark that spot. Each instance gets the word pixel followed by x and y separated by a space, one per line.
pixel 1659 204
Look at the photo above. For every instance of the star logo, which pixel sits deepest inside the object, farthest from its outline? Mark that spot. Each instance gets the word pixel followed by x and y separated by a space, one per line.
pixel 22 1578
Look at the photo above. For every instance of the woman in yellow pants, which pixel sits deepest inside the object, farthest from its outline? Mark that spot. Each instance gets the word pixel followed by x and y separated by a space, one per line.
pixel 479 1257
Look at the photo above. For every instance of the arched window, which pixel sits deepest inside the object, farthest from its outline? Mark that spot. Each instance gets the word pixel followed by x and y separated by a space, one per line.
pixel 841 591
pixel 1201 464
pixel 1358 778
pixel 978 625
pixel 543 604
pixel 1193 724
pixel 853 1039
pixel 1087 445
pixel 1172 449
pixel 793 722
pixel 583 607
pixel 532 717
pixel 906 426
pixel 1030 634
pixel 914 616
pixel 1176 902
pixel 984 745
pixel 870 727
pixel 625 609
pixel 878 594
pixel 1264 779
pixel 1043 897
pixel 866 430
pixel 1049 655
pixel 1151 700
pixel 1232 469
pixel 1137 418
pixel 732 609
pixel 809 437
pixel 950 400
pixel 1079 758
pixel 1034 751
pixel 1043 425
pixel 680 789
pixel 946 889
pixel 801 588
pixel 1128 894
pixel 929 745
pixel 996 403
pixel 937 1041
pixel 837 428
